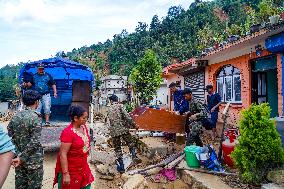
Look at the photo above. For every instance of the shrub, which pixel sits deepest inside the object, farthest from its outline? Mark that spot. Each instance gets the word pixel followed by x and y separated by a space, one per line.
pixel 259 148
pixel 129 106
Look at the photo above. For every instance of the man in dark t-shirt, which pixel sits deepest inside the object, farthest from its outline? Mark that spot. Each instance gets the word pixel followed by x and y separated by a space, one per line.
pixel 213 103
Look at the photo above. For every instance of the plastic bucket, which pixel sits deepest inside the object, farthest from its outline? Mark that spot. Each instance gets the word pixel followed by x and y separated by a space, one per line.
pixel 190 156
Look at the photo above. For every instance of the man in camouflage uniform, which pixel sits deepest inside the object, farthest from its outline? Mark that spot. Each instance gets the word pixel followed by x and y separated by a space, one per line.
pixel 195 116
pixel 118 121
pixel 25 130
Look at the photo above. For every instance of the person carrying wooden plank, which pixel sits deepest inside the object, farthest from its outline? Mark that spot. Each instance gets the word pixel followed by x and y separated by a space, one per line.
pixel 118 120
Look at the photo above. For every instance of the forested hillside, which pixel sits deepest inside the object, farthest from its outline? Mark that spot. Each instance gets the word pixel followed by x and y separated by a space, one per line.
pixel 182 34
pixel 8 82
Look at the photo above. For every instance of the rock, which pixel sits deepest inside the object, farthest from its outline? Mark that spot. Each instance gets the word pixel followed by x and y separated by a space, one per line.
pixel 276 176
pixel 271 186
pixel 102 168
pixel 134 182
pixel 125 177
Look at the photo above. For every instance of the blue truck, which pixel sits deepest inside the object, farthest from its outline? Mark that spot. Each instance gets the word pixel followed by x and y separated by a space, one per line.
pixel 74 83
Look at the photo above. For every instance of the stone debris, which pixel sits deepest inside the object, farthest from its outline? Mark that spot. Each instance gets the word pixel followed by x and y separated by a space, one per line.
pixel 276 176
pixel 103 169
pixel 136 181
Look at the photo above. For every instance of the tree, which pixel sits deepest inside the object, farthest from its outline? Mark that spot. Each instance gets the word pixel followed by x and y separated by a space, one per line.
pixel 155 22
pixel 146 77
pixel 141 27
pixel 174 12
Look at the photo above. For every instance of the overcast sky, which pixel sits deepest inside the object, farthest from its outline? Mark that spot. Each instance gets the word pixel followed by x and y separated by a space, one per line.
pixel 37 29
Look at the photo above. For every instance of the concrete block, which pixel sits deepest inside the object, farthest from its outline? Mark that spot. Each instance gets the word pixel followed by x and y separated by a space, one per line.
pixel 203 180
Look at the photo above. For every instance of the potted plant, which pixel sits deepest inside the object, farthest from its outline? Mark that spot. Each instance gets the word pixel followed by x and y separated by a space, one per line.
pixel 274 19
pixel 251 21
pixel 268 10
pixel 217 40
pixel 281 11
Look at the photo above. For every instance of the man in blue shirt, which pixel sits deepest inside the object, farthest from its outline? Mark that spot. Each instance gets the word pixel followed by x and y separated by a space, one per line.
pixel 42 83
pixel 213 103
pixel 180 104
pixel 7 152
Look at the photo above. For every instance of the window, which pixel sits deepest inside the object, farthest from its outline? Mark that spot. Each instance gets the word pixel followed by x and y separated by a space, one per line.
pixel 229 84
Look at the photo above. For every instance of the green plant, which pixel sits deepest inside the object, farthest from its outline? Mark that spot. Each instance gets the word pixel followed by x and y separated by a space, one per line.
pixel 251 19
pixel 129 106
pixel 266 9
pixel 146 76
pixel 259 148
pixel 234 30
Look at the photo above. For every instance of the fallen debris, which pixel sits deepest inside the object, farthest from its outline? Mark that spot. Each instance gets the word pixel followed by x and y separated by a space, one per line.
pixel 276 176
pixel 271 186
pixel 106 177
pixel 175 162
pixel 136 181
pixel 161 164
pixel 209 172
pixel 103 169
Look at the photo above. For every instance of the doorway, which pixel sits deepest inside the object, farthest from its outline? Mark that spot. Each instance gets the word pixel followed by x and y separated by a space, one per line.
pixel 264 83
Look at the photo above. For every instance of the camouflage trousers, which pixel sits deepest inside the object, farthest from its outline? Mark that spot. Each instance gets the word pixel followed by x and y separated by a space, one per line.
pixel 29 178
pixel 117 144
pixel 194 134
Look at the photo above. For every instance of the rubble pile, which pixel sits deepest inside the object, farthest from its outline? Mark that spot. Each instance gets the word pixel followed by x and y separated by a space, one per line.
pixel 98 117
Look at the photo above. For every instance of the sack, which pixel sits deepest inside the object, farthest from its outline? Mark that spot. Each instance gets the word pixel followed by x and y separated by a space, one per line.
pixel 212 163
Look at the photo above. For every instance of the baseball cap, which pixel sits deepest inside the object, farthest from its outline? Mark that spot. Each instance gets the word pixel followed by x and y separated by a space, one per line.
pixel 40 65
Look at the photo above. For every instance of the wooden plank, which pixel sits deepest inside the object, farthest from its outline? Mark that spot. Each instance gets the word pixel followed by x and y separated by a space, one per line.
pixel 158 120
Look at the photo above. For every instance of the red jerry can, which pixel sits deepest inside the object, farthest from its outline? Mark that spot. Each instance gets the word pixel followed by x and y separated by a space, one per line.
pixel 228 145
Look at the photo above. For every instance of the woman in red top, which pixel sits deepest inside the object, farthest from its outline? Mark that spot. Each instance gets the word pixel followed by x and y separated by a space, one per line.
pixel 72 170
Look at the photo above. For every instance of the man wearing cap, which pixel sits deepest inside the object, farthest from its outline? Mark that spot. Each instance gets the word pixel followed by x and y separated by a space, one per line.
pixel 42 83
pixel 180 104
pixel 196 114
pixel 213 103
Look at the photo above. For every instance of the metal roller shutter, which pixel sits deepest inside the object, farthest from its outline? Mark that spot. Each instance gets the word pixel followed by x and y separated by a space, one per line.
pixel 196 82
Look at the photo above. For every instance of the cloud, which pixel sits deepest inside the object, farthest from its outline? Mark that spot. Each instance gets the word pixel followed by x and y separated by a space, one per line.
pixel 35 29
pixel 26 11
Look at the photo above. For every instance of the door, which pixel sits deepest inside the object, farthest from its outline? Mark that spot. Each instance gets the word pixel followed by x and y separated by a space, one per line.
pixel 81 93
pixel 264 83
pixel 259 88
